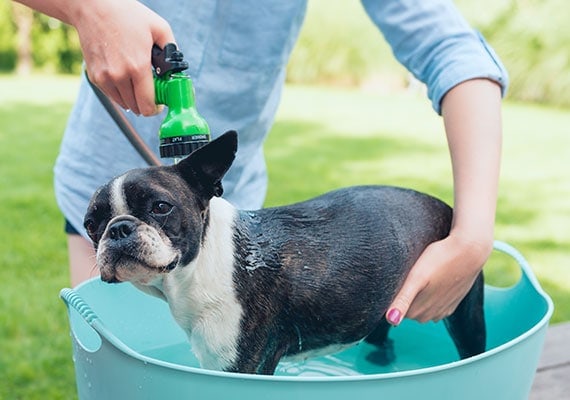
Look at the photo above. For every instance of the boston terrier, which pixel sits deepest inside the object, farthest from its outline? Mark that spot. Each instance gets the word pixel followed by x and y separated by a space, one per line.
pixel 253 287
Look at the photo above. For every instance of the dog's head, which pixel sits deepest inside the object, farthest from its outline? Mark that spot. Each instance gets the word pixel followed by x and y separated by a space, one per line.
pixel 149 221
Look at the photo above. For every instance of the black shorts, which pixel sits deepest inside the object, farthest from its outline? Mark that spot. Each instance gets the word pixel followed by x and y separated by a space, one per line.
pixel 69 229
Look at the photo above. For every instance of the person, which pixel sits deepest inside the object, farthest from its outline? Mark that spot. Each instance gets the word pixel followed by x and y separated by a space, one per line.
pixel 238 51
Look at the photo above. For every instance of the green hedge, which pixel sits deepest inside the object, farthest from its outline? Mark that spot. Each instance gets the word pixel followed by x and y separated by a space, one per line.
pixel 55 47
pixel 533 39
pixel 8 38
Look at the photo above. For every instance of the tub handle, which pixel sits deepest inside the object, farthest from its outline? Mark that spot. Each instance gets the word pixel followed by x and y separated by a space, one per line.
pixel 528 273
pixel 91 340
pixel 528 276
pixel 72 299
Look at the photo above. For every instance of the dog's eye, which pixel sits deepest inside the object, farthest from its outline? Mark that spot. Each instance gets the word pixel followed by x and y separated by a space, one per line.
pixel 161 208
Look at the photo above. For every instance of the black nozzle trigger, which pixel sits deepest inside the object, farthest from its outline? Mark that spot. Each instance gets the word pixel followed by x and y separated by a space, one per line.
pixel 168 60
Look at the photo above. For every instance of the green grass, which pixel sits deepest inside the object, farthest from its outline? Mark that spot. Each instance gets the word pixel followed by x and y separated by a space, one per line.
pixel 323 138
pixel 35 348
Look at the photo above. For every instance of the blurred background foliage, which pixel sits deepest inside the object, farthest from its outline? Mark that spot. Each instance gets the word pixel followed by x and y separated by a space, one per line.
pixel 339 46
pixel 532 37
pixel 33 42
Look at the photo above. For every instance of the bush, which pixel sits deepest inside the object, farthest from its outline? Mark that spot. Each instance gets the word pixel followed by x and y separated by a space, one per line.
pixel 8 56
pixel 56 46
pixel 533 39
pixel 338 44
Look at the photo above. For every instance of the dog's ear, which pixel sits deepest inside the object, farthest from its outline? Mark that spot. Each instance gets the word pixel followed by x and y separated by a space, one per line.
pixel 208 165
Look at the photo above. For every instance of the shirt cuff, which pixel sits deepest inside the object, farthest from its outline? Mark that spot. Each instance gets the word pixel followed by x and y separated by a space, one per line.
pixel 482 62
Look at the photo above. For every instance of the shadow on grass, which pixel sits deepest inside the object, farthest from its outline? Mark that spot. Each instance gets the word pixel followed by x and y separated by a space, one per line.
pixel 509 212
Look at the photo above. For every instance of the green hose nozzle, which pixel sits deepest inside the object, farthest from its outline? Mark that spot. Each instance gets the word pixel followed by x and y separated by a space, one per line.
pixel 183 129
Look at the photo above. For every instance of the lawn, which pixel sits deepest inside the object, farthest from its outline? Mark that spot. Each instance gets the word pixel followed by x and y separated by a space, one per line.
pixel 323 138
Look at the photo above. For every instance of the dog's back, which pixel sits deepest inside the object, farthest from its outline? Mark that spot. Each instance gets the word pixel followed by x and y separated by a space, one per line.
pixel 325 270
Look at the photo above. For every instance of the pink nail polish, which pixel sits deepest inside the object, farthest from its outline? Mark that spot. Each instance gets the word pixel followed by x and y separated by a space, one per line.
pixel 394 316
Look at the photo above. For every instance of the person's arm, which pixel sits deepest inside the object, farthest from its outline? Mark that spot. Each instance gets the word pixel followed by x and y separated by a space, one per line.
pixel 116 38
pixel 447 269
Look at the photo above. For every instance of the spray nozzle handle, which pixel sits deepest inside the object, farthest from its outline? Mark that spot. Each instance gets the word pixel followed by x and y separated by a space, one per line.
pixel 168 60
pixel 183 129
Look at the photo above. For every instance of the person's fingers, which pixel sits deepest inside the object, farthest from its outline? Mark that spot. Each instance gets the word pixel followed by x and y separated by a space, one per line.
pixel 143 91
pixel 403 300
pixel 162 34
pixel 101 80
pixel 112 93
pixel 143 83
pixel 126 90
pixel 435 286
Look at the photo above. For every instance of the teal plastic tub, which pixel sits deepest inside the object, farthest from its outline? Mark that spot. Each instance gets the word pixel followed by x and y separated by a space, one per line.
pixel 127 346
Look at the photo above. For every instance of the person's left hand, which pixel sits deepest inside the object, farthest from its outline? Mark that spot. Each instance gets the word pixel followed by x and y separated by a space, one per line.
pixel 439 280
pixel 446 269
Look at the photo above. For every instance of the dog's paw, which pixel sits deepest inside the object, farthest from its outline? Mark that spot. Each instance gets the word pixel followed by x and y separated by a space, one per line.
pixel 382 354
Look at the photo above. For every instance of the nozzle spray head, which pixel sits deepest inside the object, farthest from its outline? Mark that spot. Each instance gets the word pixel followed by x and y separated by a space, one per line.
pixel 183 129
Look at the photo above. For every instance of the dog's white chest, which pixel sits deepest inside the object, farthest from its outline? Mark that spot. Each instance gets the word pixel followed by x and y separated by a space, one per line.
pixel 202 297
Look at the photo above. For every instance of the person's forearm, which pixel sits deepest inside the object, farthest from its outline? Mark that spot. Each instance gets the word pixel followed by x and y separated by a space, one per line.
pixel 472 118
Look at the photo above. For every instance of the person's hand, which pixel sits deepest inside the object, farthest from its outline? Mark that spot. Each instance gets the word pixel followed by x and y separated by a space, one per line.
pixel 116 39
pixel 439 280
pixel 446 270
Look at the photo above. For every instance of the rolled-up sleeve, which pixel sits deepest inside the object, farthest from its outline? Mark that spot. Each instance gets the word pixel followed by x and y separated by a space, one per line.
pixel 436 44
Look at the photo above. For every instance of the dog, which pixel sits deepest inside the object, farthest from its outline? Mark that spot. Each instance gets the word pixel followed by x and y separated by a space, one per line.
pixel 253 287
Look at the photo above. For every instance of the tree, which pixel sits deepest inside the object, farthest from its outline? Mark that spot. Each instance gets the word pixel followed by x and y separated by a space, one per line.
pixel 24 18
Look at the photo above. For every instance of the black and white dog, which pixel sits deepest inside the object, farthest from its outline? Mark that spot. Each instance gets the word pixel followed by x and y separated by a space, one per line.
pixel 253 287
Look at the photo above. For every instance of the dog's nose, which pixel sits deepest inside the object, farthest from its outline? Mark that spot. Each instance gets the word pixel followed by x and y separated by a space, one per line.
pixel 121 230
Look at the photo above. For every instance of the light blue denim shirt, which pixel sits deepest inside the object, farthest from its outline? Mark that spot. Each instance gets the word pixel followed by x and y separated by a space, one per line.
pixel 237 51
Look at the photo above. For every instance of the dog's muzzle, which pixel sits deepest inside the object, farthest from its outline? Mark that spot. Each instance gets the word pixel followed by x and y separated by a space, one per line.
pixel 133 251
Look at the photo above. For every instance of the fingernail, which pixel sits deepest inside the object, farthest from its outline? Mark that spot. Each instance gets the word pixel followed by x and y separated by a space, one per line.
pixel 394 316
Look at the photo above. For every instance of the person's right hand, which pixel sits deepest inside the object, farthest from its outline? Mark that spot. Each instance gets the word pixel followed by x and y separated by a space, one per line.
pixel 116 38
